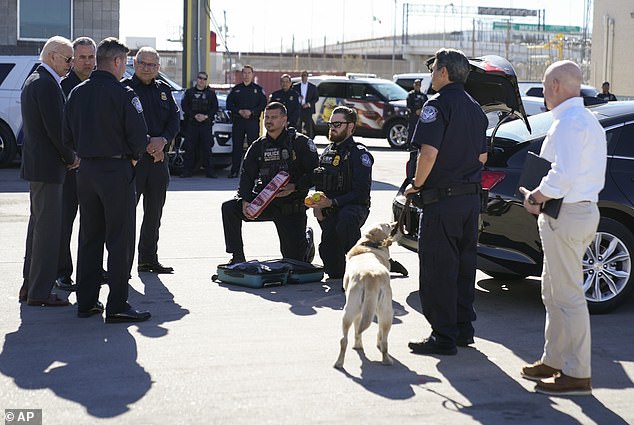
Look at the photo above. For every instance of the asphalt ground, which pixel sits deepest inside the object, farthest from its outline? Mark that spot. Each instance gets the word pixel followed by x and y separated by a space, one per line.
pixel 224 354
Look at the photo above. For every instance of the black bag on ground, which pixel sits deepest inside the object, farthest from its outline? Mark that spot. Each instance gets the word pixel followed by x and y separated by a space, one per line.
pixel 258 274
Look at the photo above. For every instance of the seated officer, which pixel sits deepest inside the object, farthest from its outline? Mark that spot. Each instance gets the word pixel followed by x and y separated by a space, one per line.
pixel 280 149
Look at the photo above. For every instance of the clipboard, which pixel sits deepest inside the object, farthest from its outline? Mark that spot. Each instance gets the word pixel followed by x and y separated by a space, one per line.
pixel 535 168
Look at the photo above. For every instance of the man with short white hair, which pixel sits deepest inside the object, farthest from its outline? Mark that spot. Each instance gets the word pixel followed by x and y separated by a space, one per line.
pixel 576 147
pixel 44 163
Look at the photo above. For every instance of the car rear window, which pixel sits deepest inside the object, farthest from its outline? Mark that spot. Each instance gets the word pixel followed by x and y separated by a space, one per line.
pixel 5 68
pixel 391 91
pixel 516 130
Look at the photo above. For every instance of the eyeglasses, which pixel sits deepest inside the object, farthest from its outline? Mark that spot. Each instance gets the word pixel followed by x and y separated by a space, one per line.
pixel 200 77
pixel 147 65
pixel 337 124
pixel 66 58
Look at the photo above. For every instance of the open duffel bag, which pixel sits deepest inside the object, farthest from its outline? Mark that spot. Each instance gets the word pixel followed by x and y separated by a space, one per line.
pixel 258 274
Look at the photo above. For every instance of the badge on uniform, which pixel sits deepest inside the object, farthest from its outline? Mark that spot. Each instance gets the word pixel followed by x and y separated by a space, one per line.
pixel 290 98
pixel 335 160
pixel 365 160
pixel 428 114
pixel 285 154
pixel 137 104
pixel 163 96
pixel 255 91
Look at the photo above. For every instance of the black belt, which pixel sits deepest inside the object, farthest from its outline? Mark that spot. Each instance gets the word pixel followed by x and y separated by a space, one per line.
pixel 430 196
pixel 106 157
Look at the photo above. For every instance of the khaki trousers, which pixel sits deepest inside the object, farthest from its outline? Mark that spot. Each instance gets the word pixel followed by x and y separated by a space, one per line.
pixel 567 333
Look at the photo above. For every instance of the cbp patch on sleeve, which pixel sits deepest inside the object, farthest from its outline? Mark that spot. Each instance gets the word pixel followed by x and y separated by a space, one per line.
pixel 365 160
pixel 311 146
pixel 137 104
pixel 428 114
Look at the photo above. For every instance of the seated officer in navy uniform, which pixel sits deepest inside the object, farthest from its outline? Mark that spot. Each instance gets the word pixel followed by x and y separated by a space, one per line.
pixel 450 136
pixel 200 105
pixel 289 98
pixel 104 119
pixel 280 149
pixel 345 177
pixel 152 173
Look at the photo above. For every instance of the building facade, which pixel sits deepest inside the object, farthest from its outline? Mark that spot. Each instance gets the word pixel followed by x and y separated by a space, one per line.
pixel 26 24
pixel 612 59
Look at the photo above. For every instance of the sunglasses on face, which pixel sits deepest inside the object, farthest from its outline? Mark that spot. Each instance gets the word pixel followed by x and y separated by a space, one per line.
pixel 200 77
pixel 66 58
pixel 337 124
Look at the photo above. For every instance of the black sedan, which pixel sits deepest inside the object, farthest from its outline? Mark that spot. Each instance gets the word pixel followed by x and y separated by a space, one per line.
pixel 509 245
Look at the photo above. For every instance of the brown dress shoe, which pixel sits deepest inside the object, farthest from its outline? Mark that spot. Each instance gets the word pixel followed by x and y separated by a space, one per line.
pixel 538 371
pixel 52 301
pixel 564 385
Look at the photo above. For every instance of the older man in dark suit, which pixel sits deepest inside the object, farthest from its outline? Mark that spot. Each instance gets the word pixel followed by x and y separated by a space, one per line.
pixel 309 96
pixel 44 164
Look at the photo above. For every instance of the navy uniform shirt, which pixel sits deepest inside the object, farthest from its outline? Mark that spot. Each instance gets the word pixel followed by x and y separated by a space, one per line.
pixel 304 160
pixel 249 97
pixel 358 161
pixel 69 82
pixel 290 99
pixel 453 122
pixel 415 101
pixel 103 118
pixel 197 101
pixel 160 109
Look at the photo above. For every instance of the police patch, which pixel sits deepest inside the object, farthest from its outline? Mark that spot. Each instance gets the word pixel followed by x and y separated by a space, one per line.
pixel 311 146
pixel 137 104
pixel 365 160
pixel 428 114
pixel 163 96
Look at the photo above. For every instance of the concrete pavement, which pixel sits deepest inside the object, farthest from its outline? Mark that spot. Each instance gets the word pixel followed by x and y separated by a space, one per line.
pixel 222 354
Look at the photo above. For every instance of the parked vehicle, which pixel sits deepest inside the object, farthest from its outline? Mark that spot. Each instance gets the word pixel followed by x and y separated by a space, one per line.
pixel 407 81
pixel 380 104
pixel 509 245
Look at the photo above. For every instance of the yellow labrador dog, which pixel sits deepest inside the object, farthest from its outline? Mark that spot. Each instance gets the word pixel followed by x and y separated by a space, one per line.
pixel 367 285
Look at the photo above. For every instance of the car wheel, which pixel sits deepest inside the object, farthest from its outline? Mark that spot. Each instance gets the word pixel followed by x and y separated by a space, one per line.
pixel 397 134
pixel 607 266
pixel 176 156
pixel 505 276
pixel 8 146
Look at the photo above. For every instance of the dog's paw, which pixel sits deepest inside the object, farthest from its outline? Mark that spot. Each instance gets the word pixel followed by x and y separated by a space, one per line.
pixel 338 365
pixel 358 347
pixel 387 361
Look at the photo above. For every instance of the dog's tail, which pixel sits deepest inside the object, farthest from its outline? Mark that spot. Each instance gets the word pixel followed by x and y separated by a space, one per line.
pixel 370 300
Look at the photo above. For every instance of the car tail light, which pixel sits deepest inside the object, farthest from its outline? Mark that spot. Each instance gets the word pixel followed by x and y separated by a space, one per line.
pixel 491 178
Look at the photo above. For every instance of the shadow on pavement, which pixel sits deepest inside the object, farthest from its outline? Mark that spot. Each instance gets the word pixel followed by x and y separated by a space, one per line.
pixel 513 315
pixel 156 298
pixel 82 360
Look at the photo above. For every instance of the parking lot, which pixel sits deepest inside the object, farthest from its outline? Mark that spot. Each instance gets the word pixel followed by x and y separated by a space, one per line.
pixel 217 353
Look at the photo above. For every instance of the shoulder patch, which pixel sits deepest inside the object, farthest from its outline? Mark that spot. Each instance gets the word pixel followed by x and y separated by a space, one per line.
pixel 137 104
pixel 365 160
pixel 429 114
pixel 311 145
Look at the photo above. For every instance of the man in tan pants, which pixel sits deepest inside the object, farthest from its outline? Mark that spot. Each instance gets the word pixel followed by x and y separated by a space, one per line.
pixel 576 147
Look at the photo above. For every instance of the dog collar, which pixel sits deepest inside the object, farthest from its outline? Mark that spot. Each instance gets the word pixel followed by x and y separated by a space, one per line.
pixel 372 244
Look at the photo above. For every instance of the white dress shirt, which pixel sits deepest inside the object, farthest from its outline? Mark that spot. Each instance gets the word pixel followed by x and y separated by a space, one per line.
pixel 576 146
pixel 304 89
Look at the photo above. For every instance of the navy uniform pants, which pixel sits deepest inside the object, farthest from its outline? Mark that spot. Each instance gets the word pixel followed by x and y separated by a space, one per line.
pixel 107 207
pixel 291 228
pixel 306 124
pixel 447 253
pixel 69 212
pixel 152 179
pixel 198 142
pixel 241 130
pixel 340 230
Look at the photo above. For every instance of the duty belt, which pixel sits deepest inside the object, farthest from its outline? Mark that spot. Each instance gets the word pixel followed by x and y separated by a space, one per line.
pixel 430 196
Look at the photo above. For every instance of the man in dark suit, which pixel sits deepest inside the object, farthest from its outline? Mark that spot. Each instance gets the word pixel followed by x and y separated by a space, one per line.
pixel 44 163
pixel 84 51
pixel 309 96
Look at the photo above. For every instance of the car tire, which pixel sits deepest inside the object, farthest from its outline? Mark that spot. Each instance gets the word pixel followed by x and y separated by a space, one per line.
pixel 176 156
pixel 608 281
pixel 8 145
pixel 505 276
pixel 397 134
